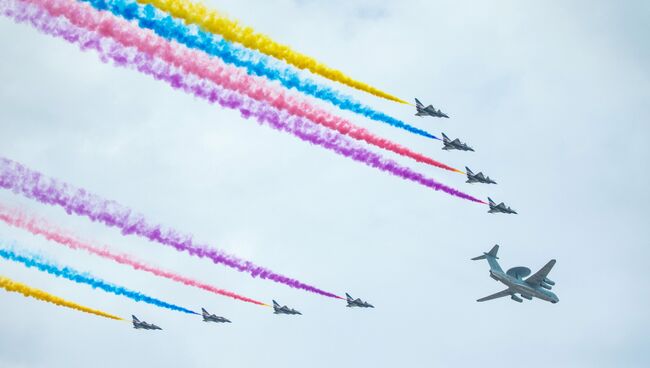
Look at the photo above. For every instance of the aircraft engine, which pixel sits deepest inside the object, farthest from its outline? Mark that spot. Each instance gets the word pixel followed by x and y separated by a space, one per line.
pixel 529 297
pixel 516 298
pixel 548 281
pixel 545 286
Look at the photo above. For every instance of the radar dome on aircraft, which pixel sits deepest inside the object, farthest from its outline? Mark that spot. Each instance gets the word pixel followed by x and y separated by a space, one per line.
pixel 518 272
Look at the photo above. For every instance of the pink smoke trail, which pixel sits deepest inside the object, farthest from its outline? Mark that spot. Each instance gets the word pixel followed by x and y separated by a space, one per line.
pixel 213 69
pixel 39 226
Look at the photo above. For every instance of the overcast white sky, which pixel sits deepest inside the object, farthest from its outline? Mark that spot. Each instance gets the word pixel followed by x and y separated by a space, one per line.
pixel 552 95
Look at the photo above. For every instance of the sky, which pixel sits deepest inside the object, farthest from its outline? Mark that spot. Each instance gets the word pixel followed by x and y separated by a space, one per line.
pixel 553 97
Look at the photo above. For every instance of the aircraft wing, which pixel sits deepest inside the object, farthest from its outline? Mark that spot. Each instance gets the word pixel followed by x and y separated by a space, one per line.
pixel 537 277
pixel 500 294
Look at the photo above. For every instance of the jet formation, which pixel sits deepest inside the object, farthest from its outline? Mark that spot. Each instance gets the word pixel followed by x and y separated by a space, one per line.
pixel 428 111
pixel 357 302
pixel 535 286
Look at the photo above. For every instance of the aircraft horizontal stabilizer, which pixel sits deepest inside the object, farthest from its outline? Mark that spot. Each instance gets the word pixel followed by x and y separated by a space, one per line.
pixel 491 253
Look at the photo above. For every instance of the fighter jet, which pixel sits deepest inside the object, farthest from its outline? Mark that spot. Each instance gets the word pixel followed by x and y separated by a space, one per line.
pixel 207 317
pixel 428 111
pixel 501 207
pixel 456 144
pixel 137 324
pixel 357 302
pixel 277 309
pixel 537 285
pixel 477 178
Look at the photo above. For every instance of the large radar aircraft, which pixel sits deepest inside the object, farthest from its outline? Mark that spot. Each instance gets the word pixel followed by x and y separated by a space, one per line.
pixel 535 286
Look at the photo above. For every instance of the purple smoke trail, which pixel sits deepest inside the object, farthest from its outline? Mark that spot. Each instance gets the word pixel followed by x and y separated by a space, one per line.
pixel 32 184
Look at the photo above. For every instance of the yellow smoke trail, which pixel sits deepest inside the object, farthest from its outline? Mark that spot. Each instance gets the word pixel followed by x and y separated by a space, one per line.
pixel 28 291
pixel 231 30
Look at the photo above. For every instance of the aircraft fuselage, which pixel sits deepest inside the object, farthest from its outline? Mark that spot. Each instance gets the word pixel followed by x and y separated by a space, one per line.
pixel 520 286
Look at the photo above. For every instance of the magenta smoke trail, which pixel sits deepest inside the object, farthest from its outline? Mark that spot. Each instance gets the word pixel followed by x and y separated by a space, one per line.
pixel 32 184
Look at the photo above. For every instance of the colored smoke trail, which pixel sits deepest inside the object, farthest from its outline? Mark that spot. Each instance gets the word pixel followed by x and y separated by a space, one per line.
pixel 38 226
pixel 28 291
pixel 20 179
pixel 29 260
pixel 229 77
pixel 149 17
pixel 212 21
pixel 263 113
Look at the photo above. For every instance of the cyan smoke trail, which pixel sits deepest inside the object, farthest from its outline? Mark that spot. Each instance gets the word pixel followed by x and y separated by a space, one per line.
pixel 30 260
pixel 255 63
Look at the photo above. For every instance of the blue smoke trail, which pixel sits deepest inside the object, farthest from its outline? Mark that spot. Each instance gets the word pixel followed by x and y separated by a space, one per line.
pixel 255 63
pixel 30 260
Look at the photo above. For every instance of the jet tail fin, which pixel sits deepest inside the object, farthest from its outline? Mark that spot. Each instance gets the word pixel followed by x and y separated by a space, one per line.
pixel 492 253
pixel 468 171
pixel 135 319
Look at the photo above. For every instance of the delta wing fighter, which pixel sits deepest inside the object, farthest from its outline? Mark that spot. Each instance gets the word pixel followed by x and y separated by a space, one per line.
pixel 277 309
pixel 477 178
pixel 499 208
pixel 456 144
pixel 357 302
pixel 428 110
pixel 207 317
pixel 142 325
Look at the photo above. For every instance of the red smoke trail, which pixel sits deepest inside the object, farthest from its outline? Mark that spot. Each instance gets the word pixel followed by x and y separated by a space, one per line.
pixel 213 69
pixel 39 226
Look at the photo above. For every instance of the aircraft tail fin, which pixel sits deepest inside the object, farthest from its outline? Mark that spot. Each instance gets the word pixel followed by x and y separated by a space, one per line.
pixel 491 257
pixel 204 311
pixel 491 202
pixel 468 171
pixel 135 319
pixel 444 137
